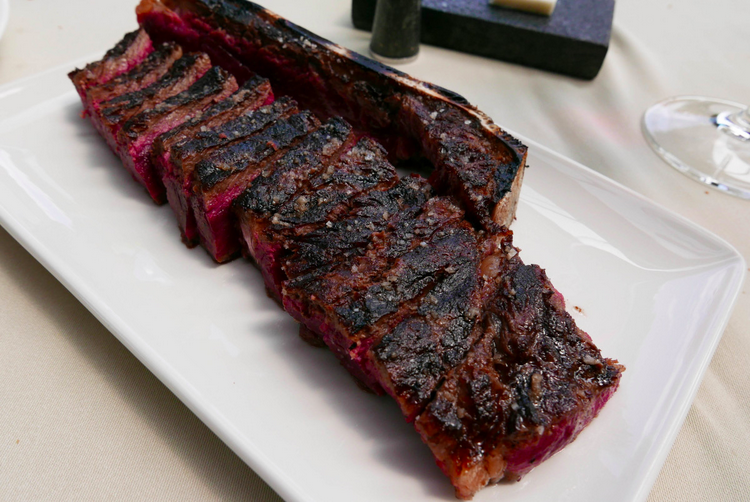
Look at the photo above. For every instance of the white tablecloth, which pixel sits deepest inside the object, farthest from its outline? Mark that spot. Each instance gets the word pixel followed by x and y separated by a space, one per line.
pixel 81 418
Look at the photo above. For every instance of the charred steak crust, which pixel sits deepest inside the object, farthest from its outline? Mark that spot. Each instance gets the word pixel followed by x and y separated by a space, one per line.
pixel 529 386
pixel 176 171
pixel 414 284
pixel 180 76
pixel 131 50
pixel 211 83
pixel 255 92
pixel 236 158
pixel 151 69
pixel 485 170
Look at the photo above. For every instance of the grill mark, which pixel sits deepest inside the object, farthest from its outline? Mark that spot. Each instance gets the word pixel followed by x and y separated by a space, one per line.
pixel 180 76
pixel 237 157
pixel 150 70
pixel 250 96
pixel 211 85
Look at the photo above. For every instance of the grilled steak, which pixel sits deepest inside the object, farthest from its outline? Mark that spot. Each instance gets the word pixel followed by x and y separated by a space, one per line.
pixel 351 303
pixel 137 134
pixel 181 75
pixel 484 167
pixel 258 204
pixel 130 51
pixel 349 235
pixel 224 174
pixel 110 116
pixel 414 284
pixel 529 386
pixel 145 73
pixel 255 93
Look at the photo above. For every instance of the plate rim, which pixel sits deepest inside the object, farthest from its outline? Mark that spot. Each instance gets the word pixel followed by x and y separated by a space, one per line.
pixel 276 478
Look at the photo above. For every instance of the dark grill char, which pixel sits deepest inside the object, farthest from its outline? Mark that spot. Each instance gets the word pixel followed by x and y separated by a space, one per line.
pixel 348 236
pixel 131 50
pixel 377 100
pixel 201 148
pixel 181 75
pixel 148 71
pixel 330 190
pixel 116 112
pixel 475 347
pixel 177 180
pixel 529 386
pixel 212 86
pixel 137 134
pixel 351 303
pixel 223 175
pixel 253 94
pixel 321 196
pixel 415 355
pixel 485 181
pixel 236 158
pixel 276 185
pixel 268 192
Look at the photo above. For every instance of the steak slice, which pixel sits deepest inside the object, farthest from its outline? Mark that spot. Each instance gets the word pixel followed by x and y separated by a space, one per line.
pixel 324 197
pixel 469 165
pixel 137 134
pixel 228 171
pixel 349 235
pixel 528 387
pixel 130 51
pixel 185 155
pixel 275 186
pixel 413 357
pixel 253 94
pixel 148 71
pixel 115 112
pixel 484 168
pixel 349 304
pixel 346 237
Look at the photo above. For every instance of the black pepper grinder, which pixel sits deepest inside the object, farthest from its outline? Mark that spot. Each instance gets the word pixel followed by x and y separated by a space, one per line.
pixel 396 30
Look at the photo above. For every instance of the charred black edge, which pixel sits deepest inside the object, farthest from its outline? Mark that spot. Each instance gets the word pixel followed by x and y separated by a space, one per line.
pixel 112 109
pixel 243 12
pixel 158 57
pixel 210 174
pixel 122 46
pixel 246 201
pixel 118 50
pixel 237 11
pixel 249 86
pixel 210 83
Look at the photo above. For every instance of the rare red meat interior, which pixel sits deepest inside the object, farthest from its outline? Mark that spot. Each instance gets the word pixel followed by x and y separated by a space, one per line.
pixel 269 141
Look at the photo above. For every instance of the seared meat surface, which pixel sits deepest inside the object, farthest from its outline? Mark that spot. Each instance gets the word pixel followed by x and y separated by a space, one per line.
pixel 145 73
pixel 413 283
pixel 129 52
pixel 529 386
pixel 390 106
pixel 176 175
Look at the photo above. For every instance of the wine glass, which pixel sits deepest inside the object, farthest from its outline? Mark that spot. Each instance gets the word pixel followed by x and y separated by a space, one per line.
pixel 707 139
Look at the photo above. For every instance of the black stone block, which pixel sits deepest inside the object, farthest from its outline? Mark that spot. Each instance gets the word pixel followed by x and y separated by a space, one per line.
pixel 572 41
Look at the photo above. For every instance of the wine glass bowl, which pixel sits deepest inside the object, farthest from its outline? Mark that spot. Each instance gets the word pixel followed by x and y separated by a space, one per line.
pixel 707 139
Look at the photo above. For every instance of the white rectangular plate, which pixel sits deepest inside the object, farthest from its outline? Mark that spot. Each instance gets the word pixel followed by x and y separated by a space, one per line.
pixel 654 290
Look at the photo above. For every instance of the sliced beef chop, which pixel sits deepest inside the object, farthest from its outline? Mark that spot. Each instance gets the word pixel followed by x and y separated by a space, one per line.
pixel 529 386
pixel 253 94
pixel 138 133
pixel 223 175
pixel 131 50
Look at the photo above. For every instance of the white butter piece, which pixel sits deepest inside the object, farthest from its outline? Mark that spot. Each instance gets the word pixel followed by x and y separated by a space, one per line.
pixel 544 7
